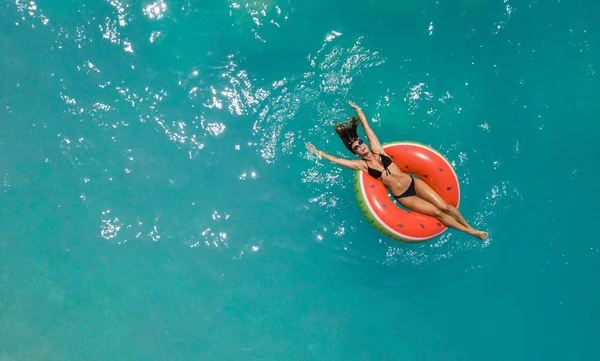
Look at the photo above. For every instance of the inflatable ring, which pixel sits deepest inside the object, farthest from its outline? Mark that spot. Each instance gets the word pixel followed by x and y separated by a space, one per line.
pixel 386 215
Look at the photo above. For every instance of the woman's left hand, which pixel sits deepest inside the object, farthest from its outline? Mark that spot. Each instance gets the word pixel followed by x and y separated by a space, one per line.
pixel 353 105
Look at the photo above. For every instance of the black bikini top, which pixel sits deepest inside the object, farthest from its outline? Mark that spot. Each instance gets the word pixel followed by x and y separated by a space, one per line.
pixel 386 163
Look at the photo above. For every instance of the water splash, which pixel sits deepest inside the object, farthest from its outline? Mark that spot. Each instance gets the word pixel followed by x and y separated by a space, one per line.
pixel 156 10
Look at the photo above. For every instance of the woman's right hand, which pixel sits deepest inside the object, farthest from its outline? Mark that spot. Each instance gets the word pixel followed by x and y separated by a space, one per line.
pixel 312 148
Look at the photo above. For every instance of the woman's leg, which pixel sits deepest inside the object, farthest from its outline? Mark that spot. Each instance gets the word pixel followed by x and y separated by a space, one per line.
pixel 427 193
pixel 422 206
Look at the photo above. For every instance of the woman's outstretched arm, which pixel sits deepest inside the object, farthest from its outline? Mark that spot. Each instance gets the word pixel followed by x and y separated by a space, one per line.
pixel 373 140
pixel 341 161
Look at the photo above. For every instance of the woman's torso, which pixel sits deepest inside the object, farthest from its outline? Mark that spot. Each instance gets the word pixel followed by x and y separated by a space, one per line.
pixel 385 170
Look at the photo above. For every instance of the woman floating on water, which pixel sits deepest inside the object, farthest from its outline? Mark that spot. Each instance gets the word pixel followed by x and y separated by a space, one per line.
pixel 411 192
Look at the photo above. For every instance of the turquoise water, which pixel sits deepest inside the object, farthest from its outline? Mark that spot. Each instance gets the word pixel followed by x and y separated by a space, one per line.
pixel 158 202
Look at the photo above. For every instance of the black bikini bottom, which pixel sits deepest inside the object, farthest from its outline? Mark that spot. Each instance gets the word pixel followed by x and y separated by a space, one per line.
pixel 410 191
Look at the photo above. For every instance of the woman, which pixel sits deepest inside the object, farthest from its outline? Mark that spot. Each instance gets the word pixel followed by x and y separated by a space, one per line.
pixel 411 192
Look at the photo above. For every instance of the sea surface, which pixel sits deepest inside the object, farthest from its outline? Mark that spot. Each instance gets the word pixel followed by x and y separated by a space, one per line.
pixel 157 201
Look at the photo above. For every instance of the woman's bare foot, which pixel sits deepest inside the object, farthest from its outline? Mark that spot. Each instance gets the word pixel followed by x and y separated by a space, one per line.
pixel 480 234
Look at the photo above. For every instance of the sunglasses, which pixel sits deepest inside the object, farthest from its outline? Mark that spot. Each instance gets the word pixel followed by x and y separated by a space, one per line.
pixel 355 148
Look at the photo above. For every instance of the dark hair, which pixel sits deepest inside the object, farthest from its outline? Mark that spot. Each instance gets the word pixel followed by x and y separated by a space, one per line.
pixel 347 132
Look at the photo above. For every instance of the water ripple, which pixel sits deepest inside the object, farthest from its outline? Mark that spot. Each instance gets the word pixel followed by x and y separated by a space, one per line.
pixel 199 107
pixel 156 10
